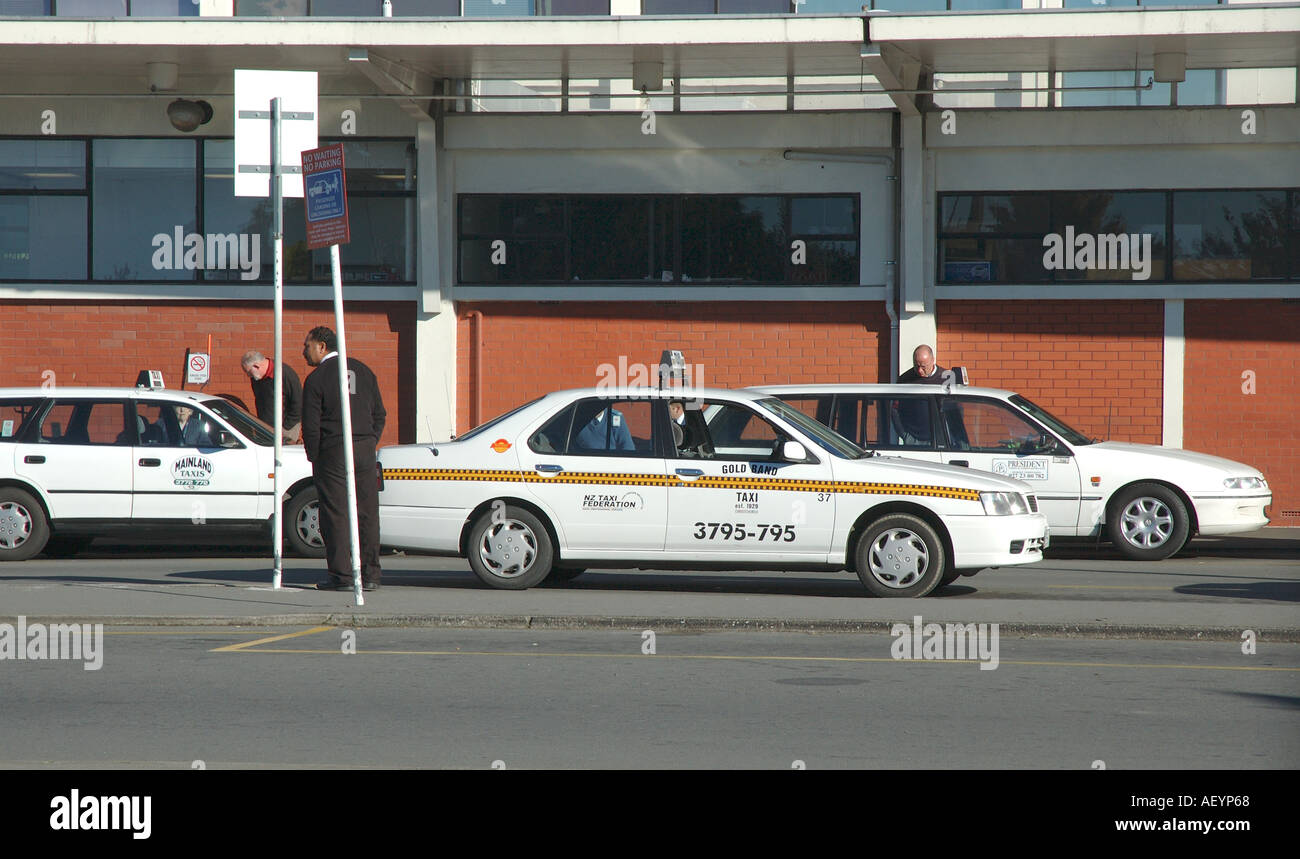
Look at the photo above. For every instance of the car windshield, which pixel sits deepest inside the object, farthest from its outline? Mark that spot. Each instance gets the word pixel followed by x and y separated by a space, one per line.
pixel 825 437
pixel 1042 415
pixel 247 425
pixel 481 428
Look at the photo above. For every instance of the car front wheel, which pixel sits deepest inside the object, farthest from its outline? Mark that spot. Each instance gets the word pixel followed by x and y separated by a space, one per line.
pixel 510 549
pixel 900 556
pixel 1147 522
pixel 23 527
pixel 302 524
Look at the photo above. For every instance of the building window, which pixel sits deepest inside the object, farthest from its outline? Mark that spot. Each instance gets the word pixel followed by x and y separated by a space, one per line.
pixel 1115 236
pixel 145 195
pixel 43 206
pixel 684 239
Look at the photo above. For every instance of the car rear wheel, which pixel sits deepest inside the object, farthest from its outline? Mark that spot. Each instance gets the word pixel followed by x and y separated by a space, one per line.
pixel 302 524
pixel 1147 522
pixel 23 527
pixel 900 556
pixel 510 550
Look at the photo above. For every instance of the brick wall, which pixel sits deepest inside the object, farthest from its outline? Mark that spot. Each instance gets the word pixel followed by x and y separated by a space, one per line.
pixel 1224 340
pixel 87 343
pixel 1093 364
pixel 531 348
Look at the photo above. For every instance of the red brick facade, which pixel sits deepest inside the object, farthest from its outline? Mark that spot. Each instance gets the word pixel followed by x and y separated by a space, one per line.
pixel 1228 344
pixel 530 348
pixel 1097 365
pixel 89 343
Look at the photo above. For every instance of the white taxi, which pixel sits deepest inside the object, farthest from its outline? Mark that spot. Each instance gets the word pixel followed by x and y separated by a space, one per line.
pixel 1147 500
pixel 694 479
pixel 76 463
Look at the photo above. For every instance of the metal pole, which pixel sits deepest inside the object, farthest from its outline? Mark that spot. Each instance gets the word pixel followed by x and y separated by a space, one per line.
pixel 277 237
pixel 346 399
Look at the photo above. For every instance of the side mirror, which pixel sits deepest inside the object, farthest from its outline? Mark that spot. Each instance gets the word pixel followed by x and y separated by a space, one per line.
pixel 1043 444
pixel 793 451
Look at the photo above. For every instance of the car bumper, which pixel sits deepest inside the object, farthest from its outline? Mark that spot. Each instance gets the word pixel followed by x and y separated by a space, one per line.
pixel 1230 514
pixel 997 541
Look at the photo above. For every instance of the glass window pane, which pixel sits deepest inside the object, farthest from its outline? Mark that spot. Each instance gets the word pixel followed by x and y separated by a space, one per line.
pixel 734 239
pixel 86 422
pixel 497 9
pixel 987 427
pixel 526 261
pixel 612 428
pixel 677 7
pixel 42 165
pixel 379 165
pixel 753 7
pixel 379 252
pixel 612 239
pixel 24 7
pixel 144 192
pixel 572 7
pixel 964 5
pixel 1097 4
pixel 481 216
pixel 91 8
pixel 821 7
pixel 162 8
pixel 908 5
pixel 426 9
pixel 14 414
pixel 43 238
pixel 823 216
pixel 994 213
pixel 536 216
pixel 1122 220
pixel 260 8
pixel 980 260
pixel 351 8
pixel 1230 235
pixel 1200 87
pixel 828 262
pixel 225 214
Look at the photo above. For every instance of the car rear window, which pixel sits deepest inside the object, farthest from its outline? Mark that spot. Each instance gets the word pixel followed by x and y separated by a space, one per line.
pixel 15 413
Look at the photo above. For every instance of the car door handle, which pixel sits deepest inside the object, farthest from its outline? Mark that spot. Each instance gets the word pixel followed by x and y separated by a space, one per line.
pixel 548 468
pixel 690 472
pixel 962 462
pixel 151 463
pixel 34 460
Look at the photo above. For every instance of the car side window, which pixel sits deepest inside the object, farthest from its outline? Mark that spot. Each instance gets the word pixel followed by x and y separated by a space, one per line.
pixel 173 425
pixel 734 432
pixel 908 423
pixel 15 415
pixel 980 425
pixel 91 422
pixel 598 427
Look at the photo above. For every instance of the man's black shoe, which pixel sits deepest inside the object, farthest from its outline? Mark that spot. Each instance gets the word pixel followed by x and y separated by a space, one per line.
pixel 370 586
pixel 333 585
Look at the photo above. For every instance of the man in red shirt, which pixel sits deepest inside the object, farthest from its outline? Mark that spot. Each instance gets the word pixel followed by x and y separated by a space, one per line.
pixel 262 371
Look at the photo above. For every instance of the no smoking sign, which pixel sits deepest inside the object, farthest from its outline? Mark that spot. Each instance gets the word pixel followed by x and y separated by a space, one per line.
pixel 197 369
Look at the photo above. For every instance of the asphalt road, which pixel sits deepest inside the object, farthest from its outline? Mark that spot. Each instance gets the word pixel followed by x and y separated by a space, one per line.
pixel 523 699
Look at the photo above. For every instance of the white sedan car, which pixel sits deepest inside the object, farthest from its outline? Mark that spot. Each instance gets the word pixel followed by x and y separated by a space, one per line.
pixel 76 463
pixel 1147 500
pixel 695 479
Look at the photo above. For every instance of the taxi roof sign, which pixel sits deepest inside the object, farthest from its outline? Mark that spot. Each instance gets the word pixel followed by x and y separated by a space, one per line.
pixel 150 379
pixel 672 368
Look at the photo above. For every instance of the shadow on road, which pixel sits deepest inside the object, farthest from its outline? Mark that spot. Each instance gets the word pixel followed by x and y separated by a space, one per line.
pixel 1276 591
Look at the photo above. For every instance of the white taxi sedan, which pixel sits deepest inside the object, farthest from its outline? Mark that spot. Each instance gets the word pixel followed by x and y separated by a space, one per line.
pixel 76 463
pixel 1147 500
pixel 699 479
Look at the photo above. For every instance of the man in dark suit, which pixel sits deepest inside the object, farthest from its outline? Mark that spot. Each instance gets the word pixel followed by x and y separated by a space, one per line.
pixel 322 433
pixel 262 372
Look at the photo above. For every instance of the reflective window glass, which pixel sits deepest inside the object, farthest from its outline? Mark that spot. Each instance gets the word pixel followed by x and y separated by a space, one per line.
pixel 42 238
pixel 994 213
pixel 1230 235
pixel 144 199
pixel 162 8
pixel 90 8
pixel 42 165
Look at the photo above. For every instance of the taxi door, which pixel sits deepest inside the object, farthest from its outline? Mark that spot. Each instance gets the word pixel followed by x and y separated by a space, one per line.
pixel 182 472
pixel 989 435
pixel 733 496
pixel 81 458
pixel 596 467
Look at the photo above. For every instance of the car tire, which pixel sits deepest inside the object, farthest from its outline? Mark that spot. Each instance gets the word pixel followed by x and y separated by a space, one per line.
pixel 900 556
pixel 24 530
pixel 1147 522
pixel 952 574
pixel 65 547
pixel 302 524
pixel 511 551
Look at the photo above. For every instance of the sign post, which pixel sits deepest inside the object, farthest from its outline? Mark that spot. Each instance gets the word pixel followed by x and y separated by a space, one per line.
pixel 327 226
pixel 255 164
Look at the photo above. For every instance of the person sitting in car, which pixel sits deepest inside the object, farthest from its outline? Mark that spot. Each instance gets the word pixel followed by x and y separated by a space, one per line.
pixel 606 431
pixel 192 431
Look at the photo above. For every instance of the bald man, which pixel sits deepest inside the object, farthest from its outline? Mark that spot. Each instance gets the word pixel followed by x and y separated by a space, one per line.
pixel 925 370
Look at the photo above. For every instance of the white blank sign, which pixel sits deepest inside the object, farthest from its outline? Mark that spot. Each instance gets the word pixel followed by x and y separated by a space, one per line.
pixel 254 90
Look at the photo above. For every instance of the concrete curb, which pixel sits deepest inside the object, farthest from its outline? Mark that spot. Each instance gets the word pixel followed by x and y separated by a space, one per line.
pixel 662 624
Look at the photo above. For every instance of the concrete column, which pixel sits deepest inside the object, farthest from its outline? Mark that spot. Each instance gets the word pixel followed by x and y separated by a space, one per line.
pixel 1175 350
pixel 916 321
pixel 435 318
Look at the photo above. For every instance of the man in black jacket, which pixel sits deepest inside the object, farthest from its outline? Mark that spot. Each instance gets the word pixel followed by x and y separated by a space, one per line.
pixel 322 433
pixel 262 372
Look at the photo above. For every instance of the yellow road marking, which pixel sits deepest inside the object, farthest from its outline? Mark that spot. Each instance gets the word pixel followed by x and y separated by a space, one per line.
pixel 301 632
pixel 241 648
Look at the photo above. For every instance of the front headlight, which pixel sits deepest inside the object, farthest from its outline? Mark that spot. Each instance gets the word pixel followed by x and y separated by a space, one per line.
pixel 1245 483
pixel 1004 503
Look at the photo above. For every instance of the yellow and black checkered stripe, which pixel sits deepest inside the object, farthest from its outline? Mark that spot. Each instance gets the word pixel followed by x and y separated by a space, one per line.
pixel 599 478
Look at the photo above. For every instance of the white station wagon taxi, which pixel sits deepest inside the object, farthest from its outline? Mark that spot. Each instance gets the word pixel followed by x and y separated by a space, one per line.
pixel 76 463
pixel 696 479
pixel 1147 500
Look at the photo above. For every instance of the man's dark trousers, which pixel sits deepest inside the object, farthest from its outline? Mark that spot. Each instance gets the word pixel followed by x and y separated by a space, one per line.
pixel 330 474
